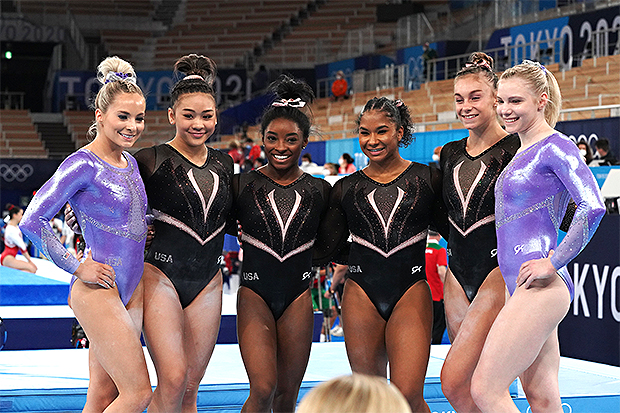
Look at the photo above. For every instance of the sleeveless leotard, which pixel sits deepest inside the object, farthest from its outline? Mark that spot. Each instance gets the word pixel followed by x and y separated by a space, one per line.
pixel 190 204
pixel 388 225
pixel 279 225
pixel 110 206
pixel 468 191
pixel 532 194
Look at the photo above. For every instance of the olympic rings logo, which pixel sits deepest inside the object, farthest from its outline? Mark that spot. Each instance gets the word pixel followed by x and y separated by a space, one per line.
pixel 16 172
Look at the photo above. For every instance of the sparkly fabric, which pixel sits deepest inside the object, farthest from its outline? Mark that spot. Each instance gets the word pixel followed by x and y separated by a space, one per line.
pixel 191 204
pixel 468 184
pixel 279 225
pixel 388 225
pixel 110 206
pixel 532 194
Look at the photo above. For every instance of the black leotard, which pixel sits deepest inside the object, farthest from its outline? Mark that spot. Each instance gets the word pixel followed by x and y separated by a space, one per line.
pixel 468 185
pixel 279 225
pixel 388 225
pixel 191 205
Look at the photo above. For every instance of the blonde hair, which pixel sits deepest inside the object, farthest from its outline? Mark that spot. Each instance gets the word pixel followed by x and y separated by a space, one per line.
pixel 356 393
pixel 117 76
pixel 540 81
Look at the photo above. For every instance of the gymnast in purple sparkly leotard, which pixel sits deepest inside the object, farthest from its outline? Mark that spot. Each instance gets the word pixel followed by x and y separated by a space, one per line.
pixel 110 206
pixel 102 183
pixel 531 196
pixel 528 216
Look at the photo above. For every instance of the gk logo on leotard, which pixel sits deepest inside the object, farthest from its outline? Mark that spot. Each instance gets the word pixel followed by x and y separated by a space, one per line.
pixel 449 252
pixel 220 260
pixel 114 261
pixel 250 276
pixel 518 249
pixel 355 268
pixel 417 268
pixel 494 253
pixel 160 256
pixel 306 275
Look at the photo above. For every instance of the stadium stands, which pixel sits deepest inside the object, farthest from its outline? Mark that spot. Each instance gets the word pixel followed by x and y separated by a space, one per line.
pixel 595 83
pixel 320 37
pixel 18 136
pixel 280 34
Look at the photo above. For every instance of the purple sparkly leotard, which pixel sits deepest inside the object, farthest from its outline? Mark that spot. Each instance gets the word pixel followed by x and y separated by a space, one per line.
pixel 110 206
pixel 531 196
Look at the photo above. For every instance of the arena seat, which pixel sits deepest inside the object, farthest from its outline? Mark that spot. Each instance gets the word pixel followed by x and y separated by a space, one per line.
pixel 18 136
pixel 322 34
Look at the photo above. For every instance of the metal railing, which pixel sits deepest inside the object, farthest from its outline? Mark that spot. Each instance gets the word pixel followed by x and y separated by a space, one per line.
pixel 12 100
pixel 412 74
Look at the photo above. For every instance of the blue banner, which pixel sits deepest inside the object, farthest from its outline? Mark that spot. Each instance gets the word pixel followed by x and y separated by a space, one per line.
pixel 576 31
pixel 590 130
pixel 76 89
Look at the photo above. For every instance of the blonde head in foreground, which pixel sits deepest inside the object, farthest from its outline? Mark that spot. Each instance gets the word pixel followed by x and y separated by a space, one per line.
pixel 356 393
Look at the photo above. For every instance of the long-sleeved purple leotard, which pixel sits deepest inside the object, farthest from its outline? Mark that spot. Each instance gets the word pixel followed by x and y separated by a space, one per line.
pixel 110 205
pixel 531 196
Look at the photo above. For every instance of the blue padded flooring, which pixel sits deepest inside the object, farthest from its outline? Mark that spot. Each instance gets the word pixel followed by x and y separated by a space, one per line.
pixel 56 380
pixel 50 286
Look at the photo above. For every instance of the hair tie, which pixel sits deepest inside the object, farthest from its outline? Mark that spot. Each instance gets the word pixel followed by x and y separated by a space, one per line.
pixel 117 76
pixel 189 77
pixel 398 103
pixel 292 103
pixel 537 64
pixel 479 63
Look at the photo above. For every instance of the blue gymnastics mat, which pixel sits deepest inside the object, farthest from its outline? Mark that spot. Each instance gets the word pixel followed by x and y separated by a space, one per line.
pixel 50 286
pixel 56 380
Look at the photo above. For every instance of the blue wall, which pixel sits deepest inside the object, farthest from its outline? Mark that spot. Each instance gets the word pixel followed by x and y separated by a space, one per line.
pixel 420 150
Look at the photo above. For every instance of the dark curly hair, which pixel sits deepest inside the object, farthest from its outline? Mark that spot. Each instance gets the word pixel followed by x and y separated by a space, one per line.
pixel 397 111
pixel 199 75
pixel 286 88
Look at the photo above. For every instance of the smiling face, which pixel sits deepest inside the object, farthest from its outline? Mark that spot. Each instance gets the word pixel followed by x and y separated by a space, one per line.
pixel 378 136
pixel 194 117
pixel 521 110
pixel 474 101
pixel 283 142
pixel 123 122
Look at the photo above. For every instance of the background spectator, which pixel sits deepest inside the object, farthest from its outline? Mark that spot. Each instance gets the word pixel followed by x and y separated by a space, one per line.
pixel 428 55
pixel 604 154
pixel 436 267
pixel 340 87
pixel 346 164
pixel 585 151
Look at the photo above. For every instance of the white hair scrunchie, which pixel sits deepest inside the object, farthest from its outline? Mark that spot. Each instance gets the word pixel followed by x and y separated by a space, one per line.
pixel 117 76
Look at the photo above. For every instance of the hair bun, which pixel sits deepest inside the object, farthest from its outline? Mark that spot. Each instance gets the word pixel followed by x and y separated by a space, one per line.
pixel 481 59
pixel 195 65
pixel 114 69
pixel 288 89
